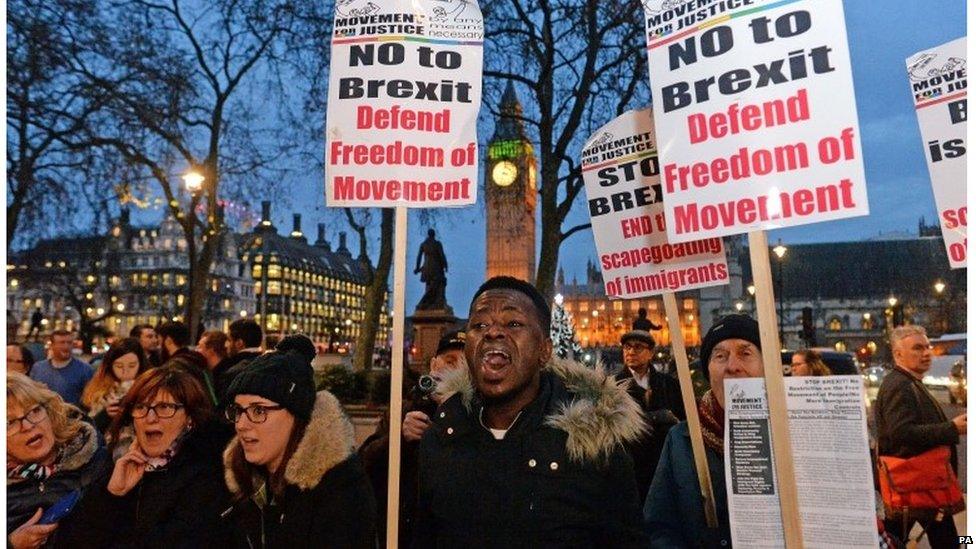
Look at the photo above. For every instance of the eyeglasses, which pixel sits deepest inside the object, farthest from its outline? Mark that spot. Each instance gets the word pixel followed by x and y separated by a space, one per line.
pixel 636 348
pixel 33 416
pixel 163 410
pixel 256 413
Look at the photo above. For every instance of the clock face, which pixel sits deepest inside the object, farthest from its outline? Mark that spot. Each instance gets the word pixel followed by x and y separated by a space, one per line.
pixel 504 173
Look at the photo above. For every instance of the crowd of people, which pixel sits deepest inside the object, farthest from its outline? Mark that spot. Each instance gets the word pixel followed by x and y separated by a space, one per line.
pixel 503 444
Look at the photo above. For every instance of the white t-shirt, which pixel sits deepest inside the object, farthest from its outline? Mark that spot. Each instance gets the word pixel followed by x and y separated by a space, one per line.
pixel 644 380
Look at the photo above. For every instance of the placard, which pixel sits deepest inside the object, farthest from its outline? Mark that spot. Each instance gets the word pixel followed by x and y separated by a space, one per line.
pixel 623 188
pixel 756 120
pixel 404 94
pixel 938 80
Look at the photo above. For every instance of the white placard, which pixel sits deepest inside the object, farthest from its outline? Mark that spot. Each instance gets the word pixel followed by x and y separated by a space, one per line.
pixel 404 94
pixel 938 80
pixel 755 114
pixel 623 189
pixel 834 483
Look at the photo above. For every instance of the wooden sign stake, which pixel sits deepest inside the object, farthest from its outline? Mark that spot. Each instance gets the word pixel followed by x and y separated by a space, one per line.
pixel 691 409
pixel 396 376
pixel 775 389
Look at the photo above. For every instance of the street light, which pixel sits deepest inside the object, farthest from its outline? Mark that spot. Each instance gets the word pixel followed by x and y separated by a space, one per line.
pixel 939 287
pixel 892 301
pixel 943 313
pixel 751 289
pixel 559 299
pixel 193 181
pixel 780 251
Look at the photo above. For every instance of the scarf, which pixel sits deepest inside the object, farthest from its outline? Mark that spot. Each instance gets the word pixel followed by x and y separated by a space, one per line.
pixel 30 471
pixel 161 462
pixel 712 422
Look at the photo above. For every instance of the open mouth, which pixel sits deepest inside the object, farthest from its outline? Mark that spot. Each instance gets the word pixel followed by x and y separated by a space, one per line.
pixel 494 363
pixel 248 442
pixel 35 441
pixel 154 435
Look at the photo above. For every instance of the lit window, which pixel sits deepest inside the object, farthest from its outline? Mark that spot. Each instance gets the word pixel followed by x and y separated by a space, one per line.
pixel 835 325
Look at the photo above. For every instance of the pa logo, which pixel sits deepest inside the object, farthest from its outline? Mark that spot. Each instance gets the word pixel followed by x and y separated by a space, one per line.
pixel 968 540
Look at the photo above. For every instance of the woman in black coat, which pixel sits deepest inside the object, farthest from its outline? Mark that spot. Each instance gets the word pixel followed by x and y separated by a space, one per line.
pixel 167 489
pixel 51 452
pixel 291 471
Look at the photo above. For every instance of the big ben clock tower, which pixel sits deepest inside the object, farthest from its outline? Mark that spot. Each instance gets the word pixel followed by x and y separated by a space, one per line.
pixel 510 191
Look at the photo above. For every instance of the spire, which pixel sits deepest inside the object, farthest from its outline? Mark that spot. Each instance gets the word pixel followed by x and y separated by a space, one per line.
pixel 509 124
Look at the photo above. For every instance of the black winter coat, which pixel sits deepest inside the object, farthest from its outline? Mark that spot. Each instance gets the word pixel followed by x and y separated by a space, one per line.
pixel 909 420
pixel 663 409
pixel 78 467
pixel 178 507
pixel 559 478
pixel 327 502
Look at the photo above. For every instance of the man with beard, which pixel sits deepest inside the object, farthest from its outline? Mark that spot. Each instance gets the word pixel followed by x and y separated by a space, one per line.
pixel 526 451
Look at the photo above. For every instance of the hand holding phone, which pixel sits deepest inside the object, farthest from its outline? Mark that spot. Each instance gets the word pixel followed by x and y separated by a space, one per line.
pixel 61 508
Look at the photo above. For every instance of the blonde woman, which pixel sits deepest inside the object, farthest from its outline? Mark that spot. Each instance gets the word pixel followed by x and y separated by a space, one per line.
pixel 51 452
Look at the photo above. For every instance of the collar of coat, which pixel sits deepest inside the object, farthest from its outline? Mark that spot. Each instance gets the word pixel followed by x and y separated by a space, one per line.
pixel 329 440
pixel 599 417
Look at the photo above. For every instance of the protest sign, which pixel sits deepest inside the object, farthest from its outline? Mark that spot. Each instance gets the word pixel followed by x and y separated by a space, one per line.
pixel 938 80
pixel 623 190
pixel 755 115
pixel 833 468
pixel 404 94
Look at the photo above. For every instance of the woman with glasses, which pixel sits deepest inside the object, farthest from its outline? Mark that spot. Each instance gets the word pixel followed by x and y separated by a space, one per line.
pixel 19 359
pixel 116 374
pixel 293 476
pixel 167 488
pixel 51 452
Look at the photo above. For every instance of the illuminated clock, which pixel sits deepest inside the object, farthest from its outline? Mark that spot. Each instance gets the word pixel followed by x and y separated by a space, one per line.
pixel 504 173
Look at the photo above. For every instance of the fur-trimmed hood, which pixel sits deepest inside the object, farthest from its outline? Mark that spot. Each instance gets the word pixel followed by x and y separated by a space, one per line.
pixel 599 417
pixel 78 452
pixel 329 440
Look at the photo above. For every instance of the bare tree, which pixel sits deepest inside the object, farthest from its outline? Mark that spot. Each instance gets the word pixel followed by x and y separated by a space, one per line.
pixel 46 103
pixel 581 62
pixel 187 86
pixel 376 290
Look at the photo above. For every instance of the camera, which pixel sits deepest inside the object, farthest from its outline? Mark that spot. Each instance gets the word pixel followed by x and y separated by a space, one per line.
pixel 426 385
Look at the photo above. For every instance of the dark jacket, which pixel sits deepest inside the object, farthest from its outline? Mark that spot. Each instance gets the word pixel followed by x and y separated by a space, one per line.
pixel 227 369
pixel 375 453
pixel 559 478
pixel 662 406
pixel 674 512
pixel 908 418
pixel 78 466
pixel 177 507
pixel 327 502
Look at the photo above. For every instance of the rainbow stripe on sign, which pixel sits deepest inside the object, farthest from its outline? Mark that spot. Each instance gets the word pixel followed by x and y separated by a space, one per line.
pixel 621 160
pixel 940 100
pixel 667 38
pixel 405 38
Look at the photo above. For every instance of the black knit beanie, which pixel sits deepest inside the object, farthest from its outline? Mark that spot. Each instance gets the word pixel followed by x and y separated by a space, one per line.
pixel 729 327
pixel 285 378
pixel 509 283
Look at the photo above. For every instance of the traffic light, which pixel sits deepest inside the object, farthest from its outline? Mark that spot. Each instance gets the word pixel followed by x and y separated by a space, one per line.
pixel 898 315
pixel 808 332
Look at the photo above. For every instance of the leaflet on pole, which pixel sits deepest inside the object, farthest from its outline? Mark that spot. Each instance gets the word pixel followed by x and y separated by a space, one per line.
pixel 938 79
pixel 834 482
pixel 755 114
pixel 623 190
pixel 404 94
